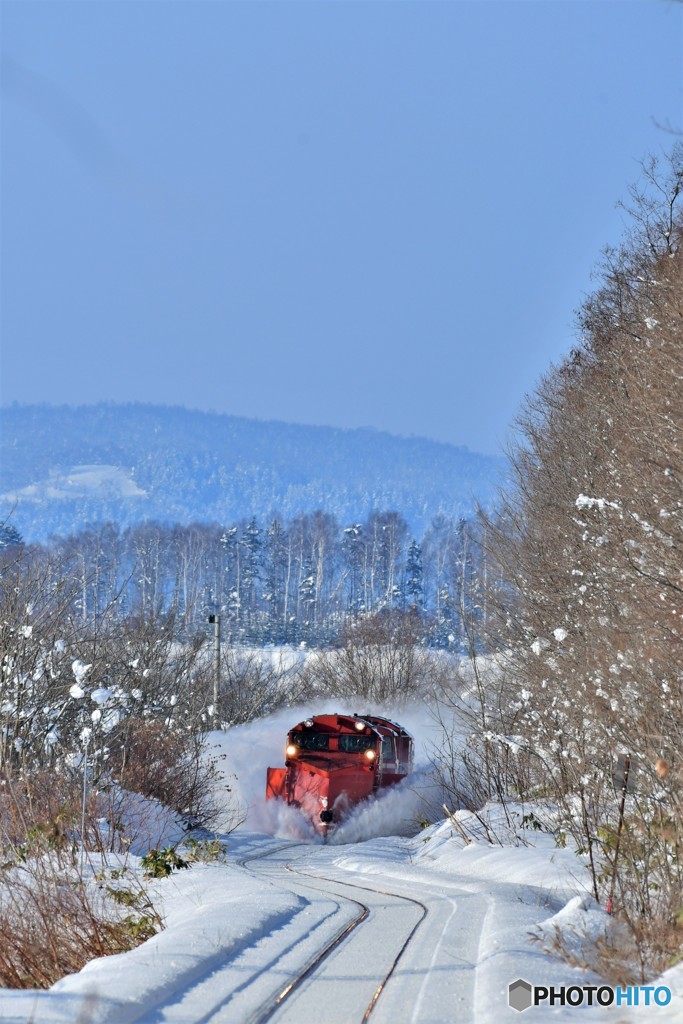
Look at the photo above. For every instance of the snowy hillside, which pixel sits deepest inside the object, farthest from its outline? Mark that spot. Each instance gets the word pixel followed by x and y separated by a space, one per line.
pixel 62 467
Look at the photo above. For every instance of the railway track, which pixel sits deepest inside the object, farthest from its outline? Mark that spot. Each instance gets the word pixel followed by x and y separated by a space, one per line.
pixel 346 951
pixel 326 972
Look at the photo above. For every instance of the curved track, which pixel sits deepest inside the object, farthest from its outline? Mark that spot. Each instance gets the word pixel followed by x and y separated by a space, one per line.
pixel 327 969
pixel 347 951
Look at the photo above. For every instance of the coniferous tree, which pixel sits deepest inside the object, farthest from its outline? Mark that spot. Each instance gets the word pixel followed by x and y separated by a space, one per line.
pixel 10 536
pixel 275 581
pixel 251 545
pixel 413 580
pixel 353 553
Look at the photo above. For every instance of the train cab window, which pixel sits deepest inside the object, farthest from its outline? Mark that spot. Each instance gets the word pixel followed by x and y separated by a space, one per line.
pixel 310 740
pixel 388 749
pixel 351 744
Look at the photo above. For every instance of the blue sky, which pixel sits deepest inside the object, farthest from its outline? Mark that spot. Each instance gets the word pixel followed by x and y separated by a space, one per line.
pixel 351 213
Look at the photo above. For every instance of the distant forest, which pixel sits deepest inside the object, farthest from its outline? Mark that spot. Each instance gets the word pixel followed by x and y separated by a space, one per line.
pixel 292 582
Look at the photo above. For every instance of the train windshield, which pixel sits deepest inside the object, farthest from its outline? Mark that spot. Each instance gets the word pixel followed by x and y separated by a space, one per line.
pixel 387 749
pixel 352 744
pixel 310 740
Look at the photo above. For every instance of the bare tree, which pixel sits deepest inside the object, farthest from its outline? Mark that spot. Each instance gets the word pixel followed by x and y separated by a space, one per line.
pixel 584 557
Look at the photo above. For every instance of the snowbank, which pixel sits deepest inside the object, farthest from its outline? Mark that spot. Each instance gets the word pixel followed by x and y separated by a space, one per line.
pixel 212 912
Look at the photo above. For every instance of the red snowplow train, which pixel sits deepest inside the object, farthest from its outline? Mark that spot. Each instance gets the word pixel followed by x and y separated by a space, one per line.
pixel 332 762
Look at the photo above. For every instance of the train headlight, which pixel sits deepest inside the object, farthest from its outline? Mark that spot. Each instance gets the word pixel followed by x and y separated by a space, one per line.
pixel 291 750
pixel 371 755
pixel 360 726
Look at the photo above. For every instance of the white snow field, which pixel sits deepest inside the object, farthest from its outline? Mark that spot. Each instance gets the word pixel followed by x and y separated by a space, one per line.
pixel 421 929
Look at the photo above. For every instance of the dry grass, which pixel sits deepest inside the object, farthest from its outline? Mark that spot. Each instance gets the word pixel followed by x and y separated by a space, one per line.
pixel 622 955
pixel 54 921
pixel 55 916
pixel 614 957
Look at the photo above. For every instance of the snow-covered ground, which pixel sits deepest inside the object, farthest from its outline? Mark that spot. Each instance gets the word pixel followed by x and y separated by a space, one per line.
pixel 418 929
pixel 79 482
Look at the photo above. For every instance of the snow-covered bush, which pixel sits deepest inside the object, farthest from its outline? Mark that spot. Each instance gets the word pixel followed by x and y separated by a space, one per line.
pixel 379 657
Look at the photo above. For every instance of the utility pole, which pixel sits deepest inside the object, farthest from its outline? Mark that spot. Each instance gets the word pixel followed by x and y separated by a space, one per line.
pixel 216 620
pixel 85 794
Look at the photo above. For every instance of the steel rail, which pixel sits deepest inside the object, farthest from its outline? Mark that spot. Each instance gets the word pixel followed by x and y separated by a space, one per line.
pixel 265 1013
pixel 406 899
pixel 261 1017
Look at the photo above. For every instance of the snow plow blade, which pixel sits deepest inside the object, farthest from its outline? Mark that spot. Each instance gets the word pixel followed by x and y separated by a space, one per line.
pixel 276 783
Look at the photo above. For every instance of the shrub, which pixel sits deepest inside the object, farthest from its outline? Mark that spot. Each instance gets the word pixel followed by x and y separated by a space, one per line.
pixel 160 863
pixel 205 851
